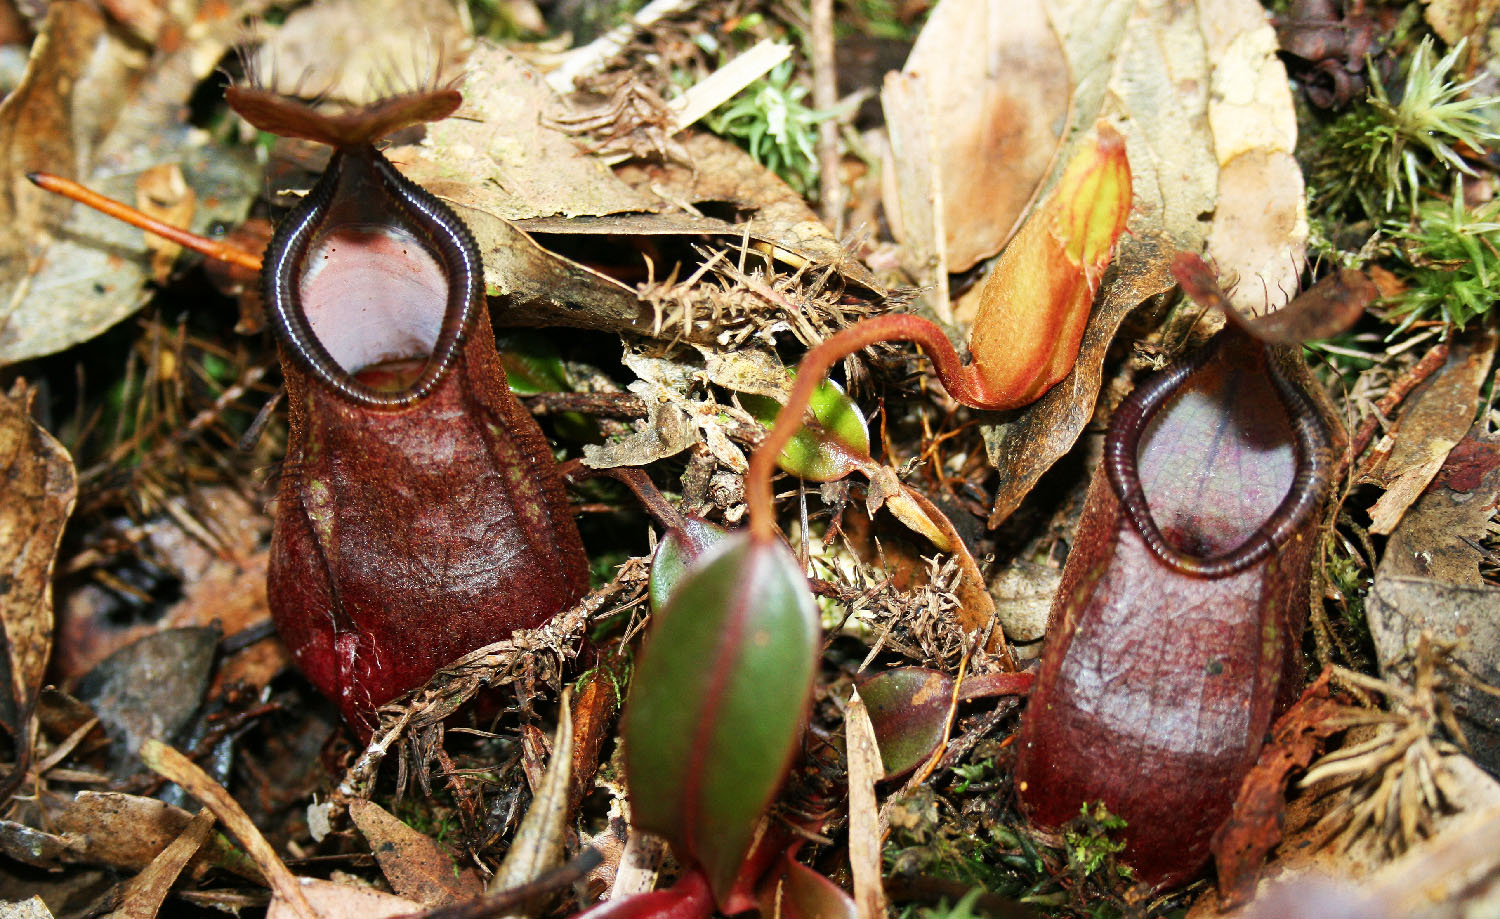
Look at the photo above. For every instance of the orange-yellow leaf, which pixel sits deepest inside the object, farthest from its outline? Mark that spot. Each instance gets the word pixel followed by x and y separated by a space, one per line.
pixel 1036 302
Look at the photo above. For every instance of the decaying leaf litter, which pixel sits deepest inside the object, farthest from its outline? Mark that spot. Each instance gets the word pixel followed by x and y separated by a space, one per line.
pixel 601 211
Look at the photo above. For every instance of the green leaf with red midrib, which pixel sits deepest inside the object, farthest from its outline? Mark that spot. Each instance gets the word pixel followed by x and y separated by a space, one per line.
pixel 717 702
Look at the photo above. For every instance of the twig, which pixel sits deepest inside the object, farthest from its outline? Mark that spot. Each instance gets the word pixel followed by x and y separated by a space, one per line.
pixel 506 901
pixel 825 97
pixel 614 404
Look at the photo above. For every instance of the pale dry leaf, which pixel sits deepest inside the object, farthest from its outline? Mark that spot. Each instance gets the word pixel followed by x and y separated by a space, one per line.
pixel 539 843
pixel 38 486
pixel 994 85
pixel 865 769
pixel 1259 234
pixel 25 909
pixel 1401 493
pixel 1023 599
pixel 913 189
pixel 674 420
pixel 416 867
pixel 146 891
pixel 329 900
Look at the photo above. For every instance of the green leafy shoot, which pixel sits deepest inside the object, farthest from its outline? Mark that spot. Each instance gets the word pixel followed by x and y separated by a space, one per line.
pixel 777 128
pixel 1395 146
pixel 1452 256
pixel 1089 844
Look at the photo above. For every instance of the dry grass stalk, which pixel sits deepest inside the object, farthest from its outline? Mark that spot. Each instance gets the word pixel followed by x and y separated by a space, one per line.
pixel 1393 782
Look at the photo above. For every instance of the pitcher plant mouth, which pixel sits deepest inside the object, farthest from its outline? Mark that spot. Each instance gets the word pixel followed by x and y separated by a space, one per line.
pixel 372 284
pixel 1311 443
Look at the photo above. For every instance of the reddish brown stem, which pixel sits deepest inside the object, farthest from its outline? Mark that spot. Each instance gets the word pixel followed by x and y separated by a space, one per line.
pixel 959 379
pixel 652 500
pixel 214 249
pixel 1394 396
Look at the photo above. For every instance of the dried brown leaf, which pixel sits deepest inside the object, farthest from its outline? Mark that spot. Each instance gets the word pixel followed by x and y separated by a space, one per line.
pixel 38 486
pixel 416 867
pixel 127 831
pixel 501 158
pixel 996 86
pixel 1433 421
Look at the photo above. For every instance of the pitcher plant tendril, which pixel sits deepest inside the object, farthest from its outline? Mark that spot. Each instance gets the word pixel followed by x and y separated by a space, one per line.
pixel 212 248
pixel 1033 310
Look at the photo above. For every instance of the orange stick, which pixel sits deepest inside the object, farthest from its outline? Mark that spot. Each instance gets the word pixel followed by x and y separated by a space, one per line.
pixel 214 249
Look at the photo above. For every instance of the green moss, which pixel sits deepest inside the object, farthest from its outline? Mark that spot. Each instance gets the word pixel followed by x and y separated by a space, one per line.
pixel 1384 150
pixel 1451 261
pixel 772 122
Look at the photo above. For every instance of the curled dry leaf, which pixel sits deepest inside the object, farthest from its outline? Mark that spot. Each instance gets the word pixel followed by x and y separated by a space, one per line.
pixel 535 200
pixel 37 489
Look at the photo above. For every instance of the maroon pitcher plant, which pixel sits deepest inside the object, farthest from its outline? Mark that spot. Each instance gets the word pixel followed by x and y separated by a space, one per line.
pixel 1177 623
pixel 419 514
